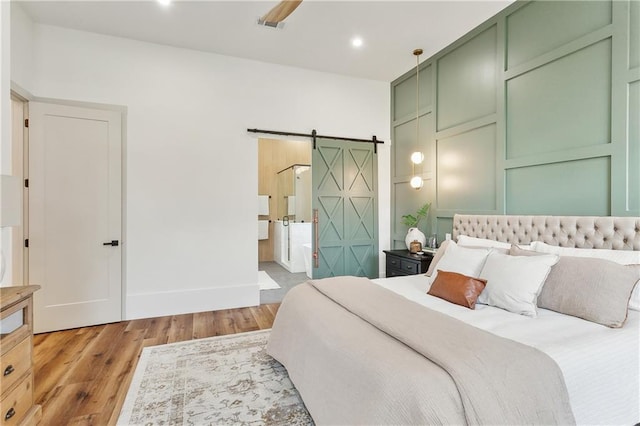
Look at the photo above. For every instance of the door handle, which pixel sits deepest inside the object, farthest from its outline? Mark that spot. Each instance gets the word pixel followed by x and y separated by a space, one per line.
pixel 316 261
pixel 112 243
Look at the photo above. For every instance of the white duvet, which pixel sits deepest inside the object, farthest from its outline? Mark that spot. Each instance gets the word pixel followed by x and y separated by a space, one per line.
pixel 601 366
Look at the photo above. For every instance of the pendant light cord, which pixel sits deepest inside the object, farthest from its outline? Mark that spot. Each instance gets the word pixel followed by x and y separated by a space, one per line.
pixel 417 157
pixel 417 106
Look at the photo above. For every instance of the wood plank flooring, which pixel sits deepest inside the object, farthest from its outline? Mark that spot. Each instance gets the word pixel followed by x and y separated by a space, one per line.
pixel 82 375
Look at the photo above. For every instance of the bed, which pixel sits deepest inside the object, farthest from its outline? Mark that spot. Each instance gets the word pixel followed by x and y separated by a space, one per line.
pixel 386 352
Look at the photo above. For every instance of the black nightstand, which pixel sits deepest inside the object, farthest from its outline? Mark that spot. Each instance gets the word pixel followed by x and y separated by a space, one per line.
pixel 401 262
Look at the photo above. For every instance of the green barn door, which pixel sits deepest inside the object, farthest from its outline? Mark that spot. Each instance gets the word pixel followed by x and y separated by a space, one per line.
pixel 345 202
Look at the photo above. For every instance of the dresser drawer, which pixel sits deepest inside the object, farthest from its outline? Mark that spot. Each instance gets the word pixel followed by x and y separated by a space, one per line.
pixel 15 405
pixel 14 364
pixel 409 267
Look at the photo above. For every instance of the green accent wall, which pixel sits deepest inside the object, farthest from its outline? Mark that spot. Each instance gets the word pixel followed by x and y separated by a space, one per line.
pixel 536 111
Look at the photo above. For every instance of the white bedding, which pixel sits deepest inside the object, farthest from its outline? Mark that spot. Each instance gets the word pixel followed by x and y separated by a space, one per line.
pixel 601 366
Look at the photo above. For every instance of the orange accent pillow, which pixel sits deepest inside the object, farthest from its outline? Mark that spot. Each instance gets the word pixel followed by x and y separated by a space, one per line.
pixel 457 288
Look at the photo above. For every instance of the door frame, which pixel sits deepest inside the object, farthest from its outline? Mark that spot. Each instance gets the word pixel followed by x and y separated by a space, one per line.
pixel 20 168
pixel 26 97
pixel 255 134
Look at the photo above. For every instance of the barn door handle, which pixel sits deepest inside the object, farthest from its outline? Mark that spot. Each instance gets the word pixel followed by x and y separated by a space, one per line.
pixel 112 243
pixel 316 261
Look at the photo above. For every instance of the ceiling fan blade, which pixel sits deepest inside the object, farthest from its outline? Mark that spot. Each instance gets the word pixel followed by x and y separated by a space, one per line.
pixel 280 12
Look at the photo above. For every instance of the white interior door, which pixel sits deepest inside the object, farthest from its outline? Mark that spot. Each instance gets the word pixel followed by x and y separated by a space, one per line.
pixel 75 209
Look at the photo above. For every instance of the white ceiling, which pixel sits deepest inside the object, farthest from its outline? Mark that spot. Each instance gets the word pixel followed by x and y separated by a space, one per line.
pixel 316 36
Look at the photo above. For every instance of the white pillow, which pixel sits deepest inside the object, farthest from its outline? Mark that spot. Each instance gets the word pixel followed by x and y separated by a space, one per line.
pixel 634 301
pixel 467 241
pixel 465 261
pixel 623 257
pixel 514 282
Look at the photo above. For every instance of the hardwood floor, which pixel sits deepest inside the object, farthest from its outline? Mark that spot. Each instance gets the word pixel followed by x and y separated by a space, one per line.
pixel 82 375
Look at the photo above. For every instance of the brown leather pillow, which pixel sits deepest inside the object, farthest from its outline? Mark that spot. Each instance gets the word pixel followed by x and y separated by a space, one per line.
pixel 457 288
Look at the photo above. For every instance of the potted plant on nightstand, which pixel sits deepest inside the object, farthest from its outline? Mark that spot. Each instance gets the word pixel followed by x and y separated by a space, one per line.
pixel 414 234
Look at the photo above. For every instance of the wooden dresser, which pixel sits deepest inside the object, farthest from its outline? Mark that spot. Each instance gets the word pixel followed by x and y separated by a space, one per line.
pixel 16 357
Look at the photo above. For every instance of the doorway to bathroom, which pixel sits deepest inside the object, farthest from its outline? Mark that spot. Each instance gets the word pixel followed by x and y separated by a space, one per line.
pixel 318 207
pixel 284 220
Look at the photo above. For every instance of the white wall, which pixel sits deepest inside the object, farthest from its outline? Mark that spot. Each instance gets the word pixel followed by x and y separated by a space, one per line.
pixel 5 119
pixel 191 167
pixel 22 29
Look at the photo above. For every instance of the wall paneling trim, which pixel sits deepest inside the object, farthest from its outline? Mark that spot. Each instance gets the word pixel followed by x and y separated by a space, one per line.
pixel 536 111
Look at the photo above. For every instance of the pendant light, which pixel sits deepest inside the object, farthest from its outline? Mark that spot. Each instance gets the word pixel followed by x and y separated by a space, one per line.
pixel 417 157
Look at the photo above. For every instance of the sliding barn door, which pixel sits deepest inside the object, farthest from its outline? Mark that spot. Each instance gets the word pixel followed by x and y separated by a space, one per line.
pixel 345 202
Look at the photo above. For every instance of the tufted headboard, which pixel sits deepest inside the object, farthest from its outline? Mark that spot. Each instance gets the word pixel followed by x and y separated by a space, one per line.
pixel 600 232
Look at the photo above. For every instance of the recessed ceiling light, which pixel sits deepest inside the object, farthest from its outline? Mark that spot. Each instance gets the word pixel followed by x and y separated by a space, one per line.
pixel 164 2
pixel 356 42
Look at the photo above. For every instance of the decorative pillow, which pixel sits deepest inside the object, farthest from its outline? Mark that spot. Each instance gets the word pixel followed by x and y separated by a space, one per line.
pixel 596 290
pixel 517 250
pixel 438 256
pixel 443 248
pixel 465 261
pixel 622 257
pixel 464 240
pixel 457 288
pixel 514 282
pixel 634 302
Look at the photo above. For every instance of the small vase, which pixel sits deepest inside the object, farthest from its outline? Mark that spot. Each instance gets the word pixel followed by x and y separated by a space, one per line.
pixel 414 234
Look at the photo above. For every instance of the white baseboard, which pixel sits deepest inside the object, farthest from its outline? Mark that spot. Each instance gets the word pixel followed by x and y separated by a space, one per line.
pixel 147 305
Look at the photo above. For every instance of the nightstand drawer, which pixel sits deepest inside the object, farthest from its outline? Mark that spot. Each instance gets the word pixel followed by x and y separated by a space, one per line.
pixel 409 267
pixel 15 363
pixel 393 263
pixel 395 273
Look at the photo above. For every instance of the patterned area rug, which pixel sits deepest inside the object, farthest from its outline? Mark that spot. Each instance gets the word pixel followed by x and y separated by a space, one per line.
pixel 215 381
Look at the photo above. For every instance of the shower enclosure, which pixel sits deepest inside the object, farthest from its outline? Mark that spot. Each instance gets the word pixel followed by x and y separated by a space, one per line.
pixel 293 228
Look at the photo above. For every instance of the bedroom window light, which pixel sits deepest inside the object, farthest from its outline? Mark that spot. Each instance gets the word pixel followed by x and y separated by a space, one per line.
pixel 417 157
